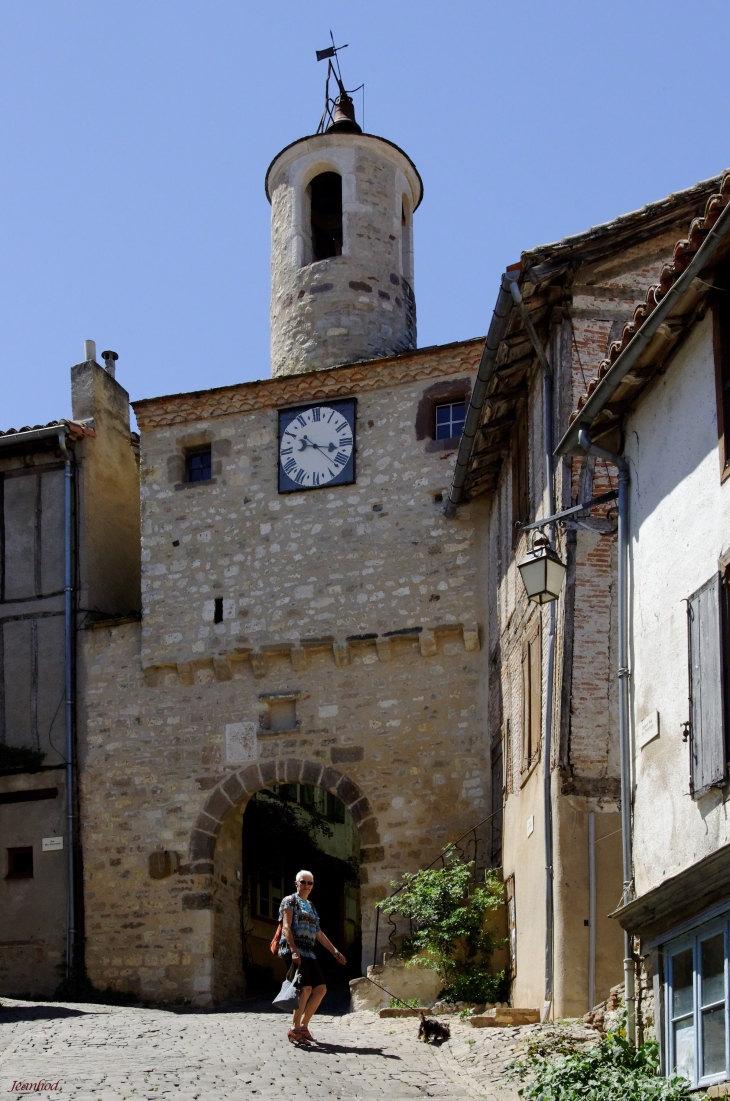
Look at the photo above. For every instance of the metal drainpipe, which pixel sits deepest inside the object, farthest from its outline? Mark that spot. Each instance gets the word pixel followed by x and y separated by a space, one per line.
pixel 591 910
pixel 591 448
pixel 69 699
pixel 547 373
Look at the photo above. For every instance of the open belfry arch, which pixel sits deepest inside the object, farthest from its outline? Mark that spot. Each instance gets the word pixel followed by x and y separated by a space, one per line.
pixel 309 618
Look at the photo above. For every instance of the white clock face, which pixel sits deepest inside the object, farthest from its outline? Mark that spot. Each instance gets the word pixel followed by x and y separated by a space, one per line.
pixel 315 446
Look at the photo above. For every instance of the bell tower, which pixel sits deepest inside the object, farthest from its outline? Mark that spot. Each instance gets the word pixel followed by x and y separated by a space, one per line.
pixel 342 205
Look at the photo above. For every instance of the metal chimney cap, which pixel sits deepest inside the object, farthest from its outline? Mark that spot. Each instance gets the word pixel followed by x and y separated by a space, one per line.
pixel 110 355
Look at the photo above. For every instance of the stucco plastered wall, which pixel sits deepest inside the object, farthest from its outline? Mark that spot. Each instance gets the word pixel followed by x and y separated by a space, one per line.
pixel 680 529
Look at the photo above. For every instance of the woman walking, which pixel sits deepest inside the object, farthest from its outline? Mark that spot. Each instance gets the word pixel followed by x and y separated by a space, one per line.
pixel 299 933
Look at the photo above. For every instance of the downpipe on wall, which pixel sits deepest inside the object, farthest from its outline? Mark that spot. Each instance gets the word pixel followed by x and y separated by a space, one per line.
pixel 621 464
pixel 69 633
pixel 547 375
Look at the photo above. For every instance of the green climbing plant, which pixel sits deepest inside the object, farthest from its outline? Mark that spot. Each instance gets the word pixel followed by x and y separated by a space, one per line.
pixel 451 932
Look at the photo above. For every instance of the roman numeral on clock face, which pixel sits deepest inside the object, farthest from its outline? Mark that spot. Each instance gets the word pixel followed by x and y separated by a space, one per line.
pixel 341 458
pixel 290 465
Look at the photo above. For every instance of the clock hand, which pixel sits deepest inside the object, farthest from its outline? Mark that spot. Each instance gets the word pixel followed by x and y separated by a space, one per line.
pixel 318 446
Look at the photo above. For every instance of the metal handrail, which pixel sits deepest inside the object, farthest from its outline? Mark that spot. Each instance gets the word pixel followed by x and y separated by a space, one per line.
pixel 441 857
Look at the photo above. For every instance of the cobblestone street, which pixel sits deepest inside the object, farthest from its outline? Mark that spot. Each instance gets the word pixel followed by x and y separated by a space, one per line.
pixel 102 1052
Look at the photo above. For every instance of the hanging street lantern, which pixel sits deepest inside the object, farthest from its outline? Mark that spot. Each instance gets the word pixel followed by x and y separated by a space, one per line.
pixel 542 571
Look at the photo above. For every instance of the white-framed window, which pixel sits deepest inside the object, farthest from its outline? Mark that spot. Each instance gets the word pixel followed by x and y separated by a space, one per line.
pixel 697 1004
pixel 450 419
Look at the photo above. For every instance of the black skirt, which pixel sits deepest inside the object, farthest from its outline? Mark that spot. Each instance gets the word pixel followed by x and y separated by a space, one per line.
pixel 310 969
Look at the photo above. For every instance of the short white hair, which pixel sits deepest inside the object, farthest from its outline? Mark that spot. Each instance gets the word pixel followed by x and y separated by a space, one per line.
pixel 301 873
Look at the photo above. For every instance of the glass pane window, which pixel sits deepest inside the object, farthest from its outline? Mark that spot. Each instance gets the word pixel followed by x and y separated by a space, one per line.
pixel 198 465
pixel 450 420
pixel 697 1004
pixel 712 951
pixel 682 983
pixel 713 1040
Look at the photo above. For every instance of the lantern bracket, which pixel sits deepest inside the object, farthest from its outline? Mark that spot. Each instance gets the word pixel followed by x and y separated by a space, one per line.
pixel 601 499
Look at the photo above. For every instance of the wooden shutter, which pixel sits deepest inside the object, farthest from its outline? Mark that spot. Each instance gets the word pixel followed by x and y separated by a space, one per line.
pixel 707 726
pixel 535 694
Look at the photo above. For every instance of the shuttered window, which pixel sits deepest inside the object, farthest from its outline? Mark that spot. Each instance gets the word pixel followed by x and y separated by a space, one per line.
pixel 707 710
pixel 531 699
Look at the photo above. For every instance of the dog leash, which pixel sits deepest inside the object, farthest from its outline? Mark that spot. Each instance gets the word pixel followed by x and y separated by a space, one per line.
pixel 385 991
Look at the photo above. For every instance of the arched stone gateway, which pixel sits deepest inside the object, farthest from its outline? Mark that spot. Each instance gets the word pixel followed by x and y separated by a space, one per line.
pixel 288 770
pixel 215 852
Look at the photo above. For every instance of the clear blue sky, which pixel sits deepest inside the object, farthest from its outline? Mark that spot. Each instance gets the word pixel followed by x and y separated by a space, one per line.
pixel 135 134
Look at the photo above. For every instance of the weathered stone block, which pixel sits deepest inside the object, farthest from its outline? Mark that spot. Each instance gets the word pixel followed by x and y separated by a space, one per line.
pixel 202 845
pixel 372 854
pixel 311 773
pixel 217 805
pixel 329 779
pixel 250 778
pixel 384 649
pixel 268 772
pixel 347 791
pixel 341 754
pixel 427 643
pixel 341 653
pixel 201 900
pixel 207 824
pixel 234 789
pixel 258 663
pixel 360 809
pixel 292 770
pixel 298 659
pixel 368 832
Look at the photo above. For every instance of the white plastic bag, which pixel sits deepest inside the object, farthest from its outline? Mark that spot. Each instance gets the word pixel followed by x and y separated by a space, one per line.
pixel 288 997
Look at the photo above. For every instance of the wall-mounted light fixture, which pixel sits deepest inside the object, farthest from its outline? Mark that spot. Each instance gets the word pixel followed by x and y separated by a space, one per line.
pixel 543 572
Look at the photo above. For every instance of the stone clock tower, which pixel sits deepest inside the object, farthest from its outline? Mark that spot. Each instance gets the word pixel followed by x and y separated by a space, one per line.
pixel 341 248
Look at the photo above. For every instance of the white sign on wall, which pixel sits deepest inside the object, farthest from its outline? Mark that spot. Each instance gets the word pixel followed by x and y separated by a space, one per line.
pixel 649 728
pixel 241 744
pixel 50 843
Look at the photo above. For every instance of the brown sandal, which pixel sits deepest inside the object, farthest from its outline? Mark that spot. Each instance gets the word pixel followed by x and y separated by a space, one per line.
pixel 309 1038
pixel 296 1036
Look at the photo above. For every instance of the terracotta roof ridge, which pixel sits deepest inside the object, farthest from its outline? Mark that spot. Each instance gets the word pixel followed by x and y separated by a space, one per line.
pixel 675 198
pixel 412 353
pixel 684 250
pixel 78 428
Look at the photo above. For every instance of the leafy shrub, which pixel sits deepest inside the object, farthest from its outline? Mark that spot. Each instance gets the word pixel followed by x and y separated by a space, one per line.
pixel 449 934
pixel 605 1071
pixel 398 1003
pixel 478 985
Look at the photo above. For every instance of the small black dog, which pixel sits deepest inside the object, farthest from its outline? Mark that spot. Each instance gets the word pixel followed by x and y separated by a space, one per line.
pixel 432 1031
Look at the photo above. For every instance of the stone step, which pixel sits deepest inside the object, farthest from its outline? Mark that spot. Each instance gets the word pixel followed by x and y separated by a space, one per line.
pixel 505 1017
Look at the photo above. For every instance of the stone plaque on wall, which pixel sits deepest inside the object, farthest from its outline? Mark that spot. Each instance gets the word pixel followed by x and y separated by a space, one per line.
pixel 241 742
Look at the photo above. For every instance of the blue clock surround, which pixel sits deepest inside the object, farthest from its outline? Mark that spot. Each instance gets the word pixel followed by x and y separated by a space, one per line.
pixel 348 409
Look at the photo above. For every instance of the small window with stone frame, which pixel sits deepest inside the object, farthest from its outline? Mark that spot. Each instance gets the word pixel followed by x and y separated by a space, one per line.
pixel 198 464
pixel 20 862
pixel 449 420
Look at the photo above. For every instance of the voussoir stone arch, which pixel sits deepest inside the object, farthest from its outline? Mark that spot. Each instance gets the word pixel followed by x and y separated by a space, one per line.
pixel 240 785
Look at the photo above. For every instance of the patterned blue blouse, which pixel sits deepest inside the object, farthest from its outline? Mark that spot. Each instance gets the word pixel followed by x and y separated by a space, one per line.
pixel 304 925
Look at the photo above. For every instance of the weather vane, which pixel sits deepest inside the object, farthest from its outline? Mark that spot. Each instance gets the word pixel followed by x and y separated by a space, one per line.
pixel 339 110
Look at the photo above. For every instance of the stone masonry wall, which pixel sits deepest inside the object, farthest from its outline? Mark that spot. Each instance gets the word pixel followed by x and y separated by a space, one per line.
pixel 356 602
